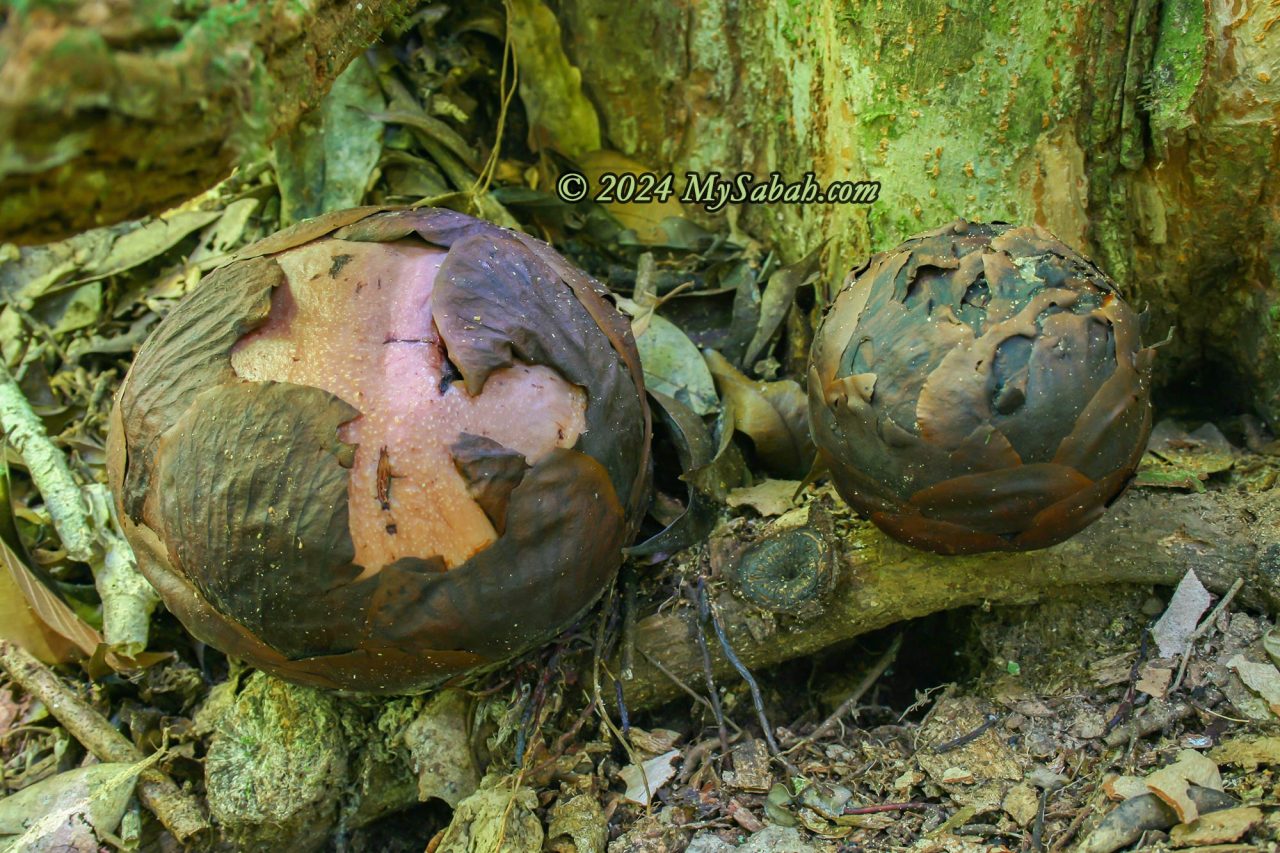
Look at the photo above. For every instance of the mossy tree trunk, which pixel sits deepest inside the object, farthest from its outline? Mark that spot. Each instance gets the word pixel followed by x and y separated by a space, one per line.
pixel 110 111
pixel 1143 133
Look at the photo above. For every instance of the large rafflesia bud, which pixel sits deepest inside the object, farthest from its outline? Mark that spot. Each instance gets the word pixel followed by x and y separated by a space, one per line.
pixel 382 447
pixel 979 388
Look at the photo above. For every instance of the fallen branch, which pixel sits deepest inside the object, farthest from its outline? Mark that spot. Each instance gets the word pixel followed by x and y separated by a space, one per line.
pixel 48 468
pixel 82 517
pixel 179 812
pixel 872 582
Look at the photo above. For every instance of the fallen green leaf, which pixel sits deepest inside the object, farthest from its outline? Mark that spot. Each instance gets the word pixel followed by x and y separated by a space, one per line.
pixel 75 810
pixel 1204 452
pixel 560 116
pixel 440 750
pixel 776 806
pixel 151 240
pixel 325 163
pixel 499 816
pixel 673 365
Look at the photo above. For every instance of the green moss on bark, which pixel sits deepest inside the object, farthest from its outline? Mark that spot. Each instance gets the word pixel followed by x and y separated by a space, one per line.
pixel 1143 134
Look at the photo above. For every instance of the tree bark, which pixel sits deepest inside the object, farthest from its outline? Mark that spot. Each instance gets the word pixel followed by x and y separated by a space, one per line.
pixel 112 110
pixel 868 581
pixel 1144 134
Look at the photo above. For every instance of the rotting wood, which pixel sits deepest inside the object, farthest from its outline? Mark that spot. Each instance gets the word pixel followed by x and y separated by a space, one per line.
pixel 1148 537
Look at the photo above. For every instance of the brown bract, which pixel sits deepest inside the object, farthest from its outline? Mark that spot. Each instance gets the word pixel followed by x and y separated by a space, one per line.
pixel 980 387
pixel 382 447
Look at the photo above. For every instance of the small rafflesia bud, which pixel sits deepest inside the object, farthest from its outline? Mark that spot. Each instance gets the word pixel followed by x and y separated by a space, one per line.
pixel 382 447
pixel 980 387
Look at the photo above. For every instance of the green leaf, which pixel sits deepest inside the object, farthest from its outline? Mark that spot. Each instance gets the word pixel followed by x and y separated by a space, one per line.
pixel 560 116
pixel 499 816
pixel 75 309
pixel 325 163
pixel 148 241
pixel 436 129
pixel 673 366
pixel 775 806
pixel 75 810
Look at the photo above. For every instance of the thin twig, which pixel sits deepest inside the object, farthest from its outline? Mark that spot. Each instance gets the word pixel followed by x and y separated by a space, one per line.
pixel 887 807
pixel 533 707
pixel 1200 631
pixel 623 717
pixel 179 812
pixel 696 628
pixel 1157 715
pixel 481 185
pixel 84 521
pixel 562 742
pixel 128 598
pixel 872 676
pixel 1131 692
pixel 955 743
pixel 597 697
pixel 628 581
pixel 692 694
pixel 1069 834
pixel 756 698
pixel 1037 829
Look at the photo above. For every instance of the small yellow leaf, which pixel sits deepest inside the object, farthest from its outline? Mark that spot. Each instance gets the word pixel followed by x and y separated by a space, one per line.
pixel 643 217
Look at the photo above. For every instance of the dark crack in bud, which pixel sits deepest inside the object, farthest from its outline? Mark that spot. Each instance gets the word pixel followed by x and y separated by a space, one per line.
pixel 980 387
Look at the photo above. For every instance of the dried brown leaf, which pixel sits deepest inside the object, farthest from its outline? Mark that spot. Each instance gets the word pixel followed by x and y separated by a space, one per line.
pixel 1216 827
pixel 1248 752
pixel 1123 787
pixel 779 295
pixel 1171 783
pixel 31 614
pixel 774 415
pixel 643 781
pixel 1173 631
pixel 643 217
pixel 1261 678
pixel 768 497
pixel 1154 679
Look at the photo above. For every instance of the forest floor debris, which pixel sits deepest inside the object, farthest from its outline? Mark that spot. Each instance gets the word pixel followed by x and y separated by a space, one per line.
pixel 1063 725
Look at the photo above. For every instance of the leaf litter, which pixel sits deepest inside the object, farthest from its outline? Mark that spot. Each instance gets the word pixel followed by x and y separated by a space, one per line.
pixel 1020 745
